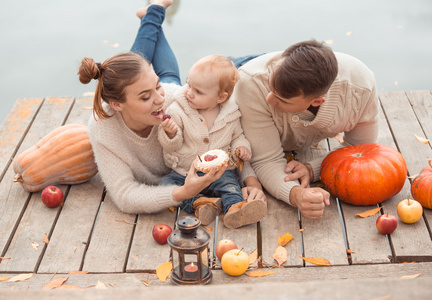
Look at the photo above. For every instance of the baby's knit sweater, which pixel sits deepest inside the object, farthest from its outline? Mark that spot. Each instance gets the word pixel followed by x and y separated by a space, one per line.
pixel 131 166
pixel 351 106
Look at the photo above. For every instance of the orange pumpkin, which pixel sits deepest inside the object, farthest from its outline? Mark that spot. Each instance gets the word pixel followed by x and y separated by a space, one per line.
pixel 63 156
pixel 421 188
pixel 365 174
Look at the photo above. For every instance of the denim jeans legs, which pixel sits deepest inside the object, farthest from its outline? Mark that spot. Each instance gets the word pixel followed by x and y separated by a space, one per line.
pixel 151 43
pixel 226 187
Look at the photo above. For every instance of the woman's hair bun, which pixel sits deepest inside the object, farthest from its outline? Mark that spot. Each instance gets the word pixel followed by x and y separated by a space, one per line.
pixel 89 70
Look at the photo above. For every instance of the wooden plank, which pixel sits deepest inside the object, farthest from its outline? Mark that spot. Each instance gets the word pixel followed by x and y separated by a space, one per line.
pixel 126 282
pixel 323 237
pixel 37 218
pixel 421 102
pixel 14 127
pixel 146 254
pixel 409 240
pixel 12 131
pixel 364 239
pixel 281 218
pixel 68 241
pixel 109 244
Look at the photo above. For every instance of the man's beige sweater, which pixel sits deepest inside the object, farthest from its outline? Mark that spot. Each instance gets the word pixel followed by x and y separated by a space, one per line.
pixel 351 107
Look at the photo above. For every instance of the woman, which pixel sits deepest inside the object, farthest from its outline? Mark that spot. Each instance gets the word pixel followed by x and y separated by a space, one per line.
pixel 123 131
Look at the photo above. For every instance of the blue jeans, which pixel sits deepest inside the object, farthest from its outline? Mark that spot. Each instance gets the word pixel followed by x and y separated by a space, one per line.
pixel 240 61
pixel 226 187
pixel 151 44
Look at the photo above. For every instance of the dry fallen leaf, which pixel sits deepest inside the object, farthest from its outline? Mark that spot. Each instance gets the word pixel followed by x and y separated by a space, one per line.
pixel 45 239
pixel 208 228
pixel 339 137
pixel 4 278
pixel 349 251
pixel 1 258
pixel 100 285
pixel 369 213
pixel 411 276
pixel 172 208
pixel 258 273
pixel 280 255
pixel 300 230
pixel 55 283
pixel 146 282
pixel 253 256
pixel 163 271
pixel 21 277
pixel 317 261
pixel 74 249
pixel 284 239
pixel 421 139
pixel 78 272
pixel 34 244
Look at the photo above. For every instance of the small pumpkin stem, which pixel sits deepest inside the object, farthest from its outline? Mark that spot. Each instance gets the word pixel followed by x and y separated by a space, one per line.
pixel 18 178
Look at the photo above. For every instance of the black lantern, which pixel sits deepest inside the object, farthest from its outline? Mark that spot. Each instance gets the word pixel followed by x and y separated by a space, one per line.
pixel 190 253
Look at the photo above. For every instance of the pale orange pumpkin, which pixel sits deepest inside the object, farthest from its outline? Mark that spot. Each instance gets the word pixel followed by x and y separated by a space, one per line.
pixel 421 188
pixel 64 156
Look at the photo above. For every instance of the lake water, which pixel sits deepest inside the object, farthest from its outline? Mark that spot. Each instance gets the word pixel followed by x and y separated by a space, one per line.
pixel 43 42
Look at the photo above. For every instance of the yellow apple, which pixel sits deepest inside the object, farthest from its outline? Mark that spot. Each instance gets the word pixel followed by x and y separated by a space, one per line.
pixel 409 211
pixel 235 262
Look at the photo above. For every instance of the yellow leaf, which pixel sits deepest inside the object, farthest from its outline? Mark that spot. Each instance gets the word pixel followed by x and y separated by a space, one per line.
pixel 369 213
pixel 163 271
pixel 4 278
pixel 300 230
pixel 55 283
pixel 411 276
pixel 280 255
pixel 283 240
pixel 253 256
pixel 421 140
pixel 172 208
pixel 317 261
pixel 45 239
pixel 349 251
pixel 1 258
pixel 258 273
pixel 21 277
pixel 78 272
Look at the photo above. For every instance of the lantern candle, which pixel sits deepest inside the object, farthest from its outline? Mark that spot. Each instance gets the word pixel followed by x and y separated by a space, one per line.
pixel 191 268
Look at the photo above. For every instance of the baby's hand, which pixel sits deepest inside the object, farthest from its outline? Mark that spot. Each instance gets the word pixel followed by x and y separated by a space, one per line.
pixel 170 127
pixel 243 153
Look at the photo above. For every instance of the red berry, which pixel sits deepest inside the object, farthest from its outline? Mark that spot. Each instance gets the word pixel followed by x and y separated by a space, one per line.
pixel 166 116
pixel 210 157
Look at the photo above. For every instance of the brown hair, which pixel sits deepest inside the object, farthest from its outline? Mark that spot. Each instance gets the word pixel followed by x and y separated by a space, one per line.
pixel 307 68
pixel 113 75
pixel 224 69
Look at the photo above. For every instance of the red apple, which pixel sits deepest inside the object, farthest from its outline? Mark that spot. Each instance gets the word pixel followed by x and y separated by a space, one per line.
pixel 409 211
pixel 223 246
pixel 161 233
pixel 386 223
pixel 52 196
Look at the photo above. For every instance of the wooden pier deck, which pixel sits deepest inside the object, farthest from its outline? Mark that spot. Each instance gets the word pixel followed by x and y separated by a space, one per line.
pixel 88 233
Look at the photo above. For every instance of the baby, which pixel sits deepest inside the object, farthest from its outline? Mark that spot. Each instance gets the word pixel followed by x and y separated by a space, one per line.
pixel 203 118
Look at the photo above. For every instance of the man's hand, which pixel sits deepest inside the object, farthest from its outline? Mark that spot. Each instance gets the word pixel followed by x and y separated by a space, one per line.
pixel 310 201
pixel 299 171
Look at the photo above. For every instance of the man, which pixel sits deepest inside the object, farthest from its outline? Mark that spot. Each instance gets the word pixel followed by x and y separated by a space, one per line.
pixel 290 101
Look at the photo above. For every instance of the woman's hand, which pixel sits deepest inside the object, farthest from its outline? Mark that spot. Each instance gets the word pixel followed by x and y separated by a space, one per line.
pixel 299 171
pixel 194 184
